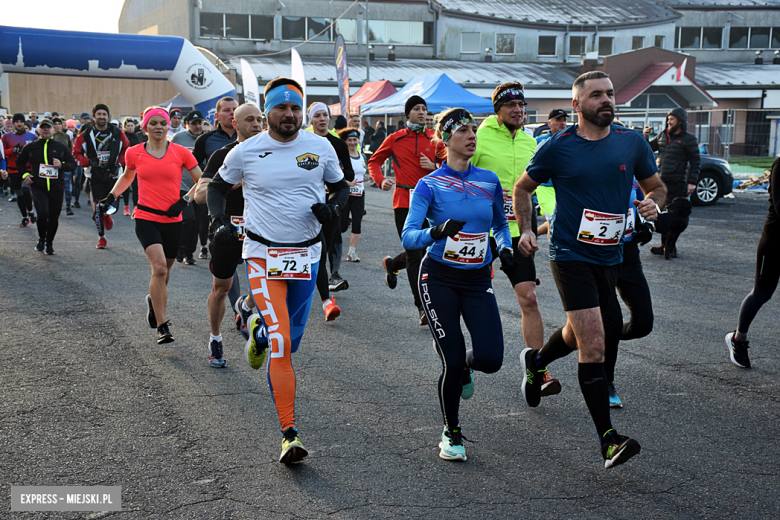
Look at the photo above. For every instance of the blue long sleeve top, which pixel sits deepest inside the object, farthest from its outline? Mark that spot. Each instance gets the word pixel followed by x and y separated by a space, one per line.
pixel 474 196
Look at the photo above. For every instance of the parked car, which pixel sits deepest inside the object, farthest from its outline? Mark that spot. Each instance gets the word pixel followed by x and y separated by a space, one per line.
pixel 715 181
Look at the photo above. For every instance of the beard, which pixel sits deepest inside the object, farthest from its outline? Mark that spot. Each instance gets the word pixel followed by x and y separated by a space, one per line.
pixel 597 118
pixel 283 127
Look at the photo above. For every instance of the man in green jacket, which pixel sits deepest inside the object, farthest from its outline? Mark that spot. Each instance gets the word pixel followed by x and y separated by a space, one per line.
pixel 504 148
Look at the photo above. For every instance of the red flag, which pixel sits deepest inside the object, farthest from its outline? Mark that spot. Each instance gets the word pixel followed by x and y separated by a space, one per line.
pixel 681 70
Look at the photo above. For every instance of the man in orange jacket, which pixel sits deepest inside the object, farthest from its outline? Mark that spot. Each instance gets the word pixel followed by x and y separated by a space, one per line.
pixel 413 156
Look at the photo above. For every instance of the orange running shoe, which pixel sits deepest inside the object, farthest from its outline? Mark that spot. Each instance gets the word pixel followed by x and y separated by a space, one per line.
pixel 332 310
pixel 550 385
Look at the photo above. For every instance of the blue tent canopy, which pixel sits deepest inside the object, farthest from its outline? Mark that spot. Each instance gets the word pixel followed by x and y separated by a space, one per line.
pixel 179 102
pixel 438 91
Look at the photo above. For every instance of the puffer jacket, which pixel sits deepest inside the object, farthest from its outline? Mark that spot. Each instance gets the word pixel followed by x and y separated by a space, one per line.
pixel 676 151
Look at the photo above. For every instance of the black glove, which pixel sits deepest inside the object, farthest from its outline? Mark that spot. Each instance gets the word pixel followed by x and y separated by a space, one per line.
pixel 176 209
pixel 643 232
pixel 94 164
pixel 104 204
pixel 325 212
pixel 448 229
pixel 508 261
pixel 17 148
pixel 225 234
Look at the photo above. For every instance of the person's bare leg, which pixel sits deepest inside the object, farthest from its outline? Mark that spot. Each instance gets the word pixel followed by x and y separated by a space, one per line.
pixel 533 327
pixel 216 303
pixel 158 284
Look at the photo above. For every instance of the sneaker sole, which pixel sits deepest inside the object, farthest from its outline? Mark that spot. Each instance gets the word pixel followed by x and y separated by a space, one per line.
pixel 551 388
pixel 150 320
pixel 525 377
pixel 615 404
pixel 333 315
pixel 166 339
pixel 294 453
pixel 343 285
pixel 731 352
pixel 218 363
pixel 628 451
pixel 444 455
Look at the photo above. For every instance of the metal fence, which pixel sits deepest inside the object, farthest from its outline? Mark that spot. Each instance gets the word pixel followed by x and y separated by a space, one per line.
pixel 726 133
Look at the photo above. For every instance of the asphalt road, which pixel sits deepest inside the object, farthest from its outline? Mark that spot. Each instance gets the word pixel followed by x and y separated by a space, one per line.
pixel 89 398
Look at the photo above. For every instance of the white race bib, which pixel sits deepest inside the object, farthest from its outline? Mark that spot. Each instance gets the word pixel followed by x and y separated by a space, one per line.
pixel 465 248
pixel 239 223
pixel 601 229
pixel 357 190
pixel 629 222
pixel 509 211
pixel 46 171
pixel 288 263
pixel 103 157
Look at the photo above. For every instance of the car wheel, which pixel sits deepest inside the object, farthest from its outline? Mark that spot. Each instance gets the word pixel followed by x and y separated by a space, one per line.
pixel 707 191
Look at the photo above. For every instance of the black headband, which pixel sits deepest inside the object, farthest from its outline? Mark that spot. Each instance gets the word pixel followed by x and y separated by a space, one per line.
pixel 450 123
pixel 351 133
pixel 505 96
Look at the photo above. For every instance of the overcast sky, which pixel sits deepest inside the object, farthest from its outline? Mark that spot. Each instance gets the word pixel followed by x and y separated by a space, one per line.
pixel 68 15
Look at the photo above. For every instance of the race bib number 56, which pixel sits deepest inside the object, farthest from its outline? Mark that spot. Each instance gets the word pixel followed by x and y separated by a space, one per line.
pixel 288 263
pixel 601 229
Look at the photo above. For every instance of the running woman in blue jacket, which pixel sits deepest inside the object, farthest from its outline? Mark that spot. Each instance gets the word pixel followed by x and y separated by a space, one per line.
pixel 462 204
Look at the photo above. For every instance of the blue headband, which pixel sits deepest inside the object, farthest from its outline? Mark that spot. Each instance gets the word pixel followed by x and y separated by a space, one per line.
pixel 283 94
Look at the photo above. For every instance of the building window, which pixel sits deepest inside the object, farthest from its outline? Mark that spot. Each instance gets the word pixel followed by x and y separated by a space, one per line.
pixel 637 42
pixel 776 37
pixel 605 45
pixel 416 33
pixel 712 38
pixel 652 101
pixel 547 46
pixel 531 116
pixel 577 45
pixel 470 43
pixel 262 27
pixel 505 44
pixel 428 30
pixel 347 28
pixel 660 41
pixel 398 32
pixel 759 37
pixel 211 25
pixel 376 31
pixel 293 28
pixel 738 37
pixel 318 29
pixel 237 26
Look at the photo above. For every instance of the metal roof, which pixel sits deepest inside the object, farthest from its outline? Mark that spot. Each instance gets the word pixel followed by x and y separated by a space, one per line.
pixel 321 70
pixel 710 75
pixel 736 4
pixel 565 12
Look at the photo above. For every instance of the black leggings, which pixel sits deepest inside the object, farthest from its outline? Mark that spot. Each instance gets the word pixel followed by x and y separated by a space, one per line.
pixel 22 192
pixel 449 293
pixel 633 289
pixel 48 204
pixel 328 231
pixel 354 207
pixel 767 276
pixel 409 260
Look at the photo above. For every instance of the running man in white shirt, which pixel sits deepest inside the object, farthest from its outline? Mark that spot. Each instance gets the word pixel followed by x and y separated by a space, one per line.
pixel 283 171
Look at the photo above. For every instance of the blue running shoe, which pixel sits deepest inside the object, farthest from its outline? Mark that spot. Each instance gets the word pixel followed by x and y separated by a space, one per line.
pixel 216 359
pixel 257 345
pixel 451 445
pixel 468 384
pixel 614 400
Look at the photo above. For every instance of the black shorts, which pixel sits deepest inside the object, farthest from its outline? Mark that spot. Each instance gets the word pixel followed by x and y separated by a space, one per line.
pixel 224 260
pixel 100 191
pixel 168 235
pixel 524 270
pixel 583 285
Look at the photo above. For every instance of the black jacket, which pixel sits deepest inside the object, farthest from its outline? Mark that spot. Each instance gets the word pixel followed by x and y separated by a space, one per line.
pixel 342 152
pixel 44 151
pixel 676 151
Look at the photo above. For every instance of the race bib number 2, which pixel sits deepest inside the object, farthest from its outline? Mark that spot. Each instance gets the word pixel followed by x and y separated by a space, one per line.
pixel 466 248
pixel 601 229
pixel 288 263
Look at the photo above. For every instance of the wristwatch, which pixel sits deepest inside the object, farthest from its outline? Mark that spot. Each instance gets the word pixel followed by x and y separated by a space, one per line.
pixel 186 199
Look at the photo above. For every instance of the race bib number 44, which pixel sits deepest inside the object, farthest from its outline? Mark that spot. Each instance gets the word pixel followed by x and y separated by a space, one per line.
pixel 601 229
pixel 466 248
pixel 46 171
pixel 288 263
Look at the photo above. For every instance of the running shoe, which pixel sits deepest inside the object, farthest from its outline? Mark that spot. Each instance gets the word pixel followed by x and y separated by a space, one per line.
pixel 243 316
pixel 332 310
pixel 657 250
pixel 391 277
pixel 617 449
pixel 49 249
pixel 292 448
pixel 164 334
pixel 337 283
pixel 257 344
pixel 102 243
pixel 188 260
pixel 69 212
pixel 126 211
pixel 180 257
pixel 423 317
pixel 614 400
pixel 39 246
pixel 532 378
pixel 76 204
pixel 25 221
pixel 237 319
pixel 108 222
pixel 12 198
pixel 216 359
pixel 738 350
pixel 451 445
pixel 33 218
pixel 550 385
pixel 353 257
pixel 204 252
pixel 468 384
pixel 150 318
